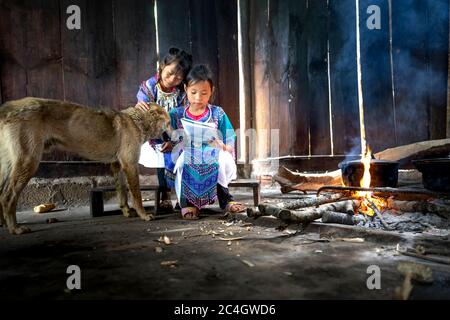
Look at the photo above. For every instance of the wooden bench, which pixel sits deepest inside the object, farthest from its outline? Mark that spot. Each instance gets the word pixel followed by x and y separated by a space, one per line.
pixel 96 198
pixel 97 205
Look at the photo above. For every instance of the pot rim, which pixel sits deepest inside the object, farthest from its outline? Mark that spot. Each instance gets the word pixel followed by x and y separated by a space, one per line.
pixel 372 161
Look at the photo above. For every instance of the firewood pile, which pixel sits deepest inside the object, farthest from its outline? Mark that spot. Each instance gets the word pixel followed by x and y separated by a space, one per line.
pixel 409 207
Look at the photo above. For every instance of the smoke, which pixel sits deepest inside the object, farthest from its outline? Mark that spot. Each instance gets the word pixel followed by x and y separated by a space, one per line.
pixel 420 48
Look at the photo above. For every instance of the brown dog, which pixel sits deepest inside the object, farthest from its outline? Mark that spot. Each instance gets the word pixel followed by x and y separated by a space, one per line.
pixel 31 126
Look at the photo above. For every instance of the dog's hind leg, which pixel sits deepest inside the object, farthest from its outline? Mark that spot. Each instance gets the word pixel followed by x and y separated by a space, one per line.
pixel 121 189
pixel 132 174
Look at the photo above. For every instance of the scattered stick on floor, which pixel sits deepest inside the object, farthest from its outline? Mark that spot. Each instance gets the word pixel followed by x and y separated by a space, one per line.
pixel 230 239
pixel 248 263
pixel 353 240
pixel 45 207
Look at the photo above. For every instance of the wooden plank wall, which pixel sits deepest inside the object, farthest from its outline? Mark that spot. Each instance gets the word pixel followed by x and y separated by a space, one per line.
pixel 376 78
pixel 103 64
pixel 207 29
pixel 343 77
pixel 297 81
pixel 437 37
pixel 301 58
pixel 308 74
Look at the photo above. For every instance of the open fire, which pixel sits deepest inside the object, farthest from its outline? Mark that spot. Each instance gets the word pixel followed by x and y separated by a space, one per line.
pixel 368 204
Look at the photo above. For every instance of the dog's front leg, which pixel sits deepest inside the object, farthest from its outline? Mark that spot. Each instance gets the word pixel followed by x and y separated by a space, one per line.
pixel 121 190
pixel 9 204
pixel 133 182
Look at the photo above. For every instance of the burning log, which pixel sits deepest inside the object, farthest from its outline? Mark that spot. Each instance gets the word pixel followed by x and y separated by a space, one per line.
pixel 274 210
pixel 308 215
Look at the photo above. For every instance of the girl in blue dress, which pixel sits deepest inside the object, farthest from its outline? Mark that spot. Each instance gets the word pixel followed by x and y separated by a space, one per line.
pixel 203 165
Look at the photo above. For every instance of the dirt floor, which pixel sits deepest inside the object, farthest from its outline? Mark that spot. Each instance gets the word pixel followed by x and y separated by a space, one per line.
pixel 211 258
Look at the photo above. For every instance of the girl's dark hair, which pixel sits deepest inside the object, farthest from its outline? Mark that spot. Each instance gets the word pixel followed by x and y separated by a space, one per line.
pixel 182 59
pixel 200 72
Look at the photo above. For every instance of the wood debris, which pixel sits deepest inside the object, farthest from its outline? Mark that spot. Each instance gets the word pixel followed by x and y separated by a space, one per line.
pixel 230 239
pixel 248 263
pixel 353 240
pixel 165 239
pixel 46 207
pixel 52 220
pixel 169 263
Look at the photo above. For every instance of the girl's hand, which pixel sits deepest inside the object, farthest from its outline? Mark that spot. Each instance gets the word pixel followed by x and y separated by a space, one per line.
pixel 220 145
pixel 141 105
pixel 167 147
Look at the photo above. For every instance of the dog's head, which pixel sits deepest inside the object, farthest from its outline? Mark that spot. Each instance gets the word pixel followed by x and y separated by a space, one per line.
pixel 156 122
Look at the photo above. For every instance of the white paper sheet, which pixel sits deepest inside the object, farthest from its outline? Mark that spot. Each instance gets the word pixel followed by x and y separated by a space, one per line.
pixel 150 157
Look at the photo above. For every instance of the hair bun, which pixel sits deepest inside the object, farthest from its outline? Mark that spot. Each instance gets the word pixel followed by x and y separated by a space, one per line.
pixel 174 51
pixel 187 56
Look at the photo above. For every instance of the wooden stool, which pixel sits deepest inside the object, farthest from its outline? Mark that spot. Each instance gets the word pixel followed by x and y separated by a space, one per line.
pixel 96 198
pixel 249 183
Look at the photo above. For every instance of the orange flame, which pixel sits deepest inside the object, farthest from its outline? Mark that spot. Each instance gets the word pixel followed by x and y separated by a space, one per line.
pixel 365 181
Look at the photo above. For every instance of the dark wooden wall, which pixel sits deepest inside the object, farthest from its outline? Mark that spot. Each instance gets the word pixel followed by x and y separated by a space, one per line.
pixel 103 64
pixel 208 29
pixel 299 63
pixel 100 65
pixel 304 73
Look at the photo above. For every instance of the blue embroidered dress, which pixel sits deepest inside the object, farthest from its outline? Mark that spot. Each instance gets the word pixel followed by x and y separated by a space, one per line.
pixel 200 164
pixel 150 91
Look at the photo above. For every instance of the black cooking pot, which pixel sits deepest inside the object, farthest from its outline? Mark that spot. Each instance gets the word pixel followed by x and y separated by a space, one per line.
pixel 383 173
pixel 435 173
